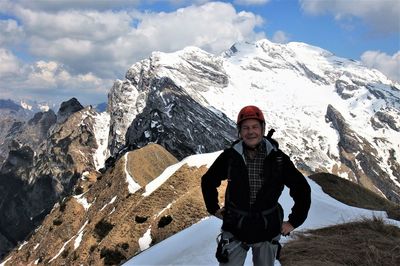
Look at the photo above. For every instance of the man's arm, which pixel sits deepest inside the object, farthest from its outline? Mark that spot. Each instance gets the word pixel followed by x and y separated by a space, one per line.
pixel 300 191
pixel 211 180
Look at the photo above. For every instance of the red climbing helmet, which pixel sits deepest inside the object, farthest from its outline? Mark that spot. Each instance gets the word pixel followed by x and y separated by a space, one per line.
pixel 250 112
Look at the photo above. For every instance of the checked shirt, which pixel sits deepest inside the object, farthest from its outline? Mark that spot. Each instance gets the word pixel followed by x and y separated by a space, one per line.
pixel 255 170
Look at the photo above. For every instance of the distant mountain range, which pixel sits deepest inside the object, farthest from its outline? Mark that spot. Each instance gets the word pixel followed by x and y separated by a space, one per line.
pixel 330 115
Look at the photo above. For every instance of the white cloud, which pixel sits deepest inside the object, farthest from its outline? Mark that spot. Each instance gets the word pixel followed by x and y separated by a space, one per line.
pixel 10 32
pixel 9 64
pixel 107 43
pixel 382 16
pixel 213 26
pixel 251 2
pixel 47 80
pixel 72 52
pixel 387 64
pixel 280 37
pixel 83 25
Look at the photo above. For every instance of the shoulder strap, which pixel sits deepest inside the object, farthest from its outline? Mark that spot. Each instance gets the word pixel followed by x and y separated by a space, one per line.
pixel 270 133
pixel 270 139
pixel 279 156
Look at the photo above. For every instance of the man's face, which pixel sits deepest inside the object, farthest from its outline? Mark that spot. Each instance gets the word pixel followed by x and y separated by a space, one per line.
pixel 252 132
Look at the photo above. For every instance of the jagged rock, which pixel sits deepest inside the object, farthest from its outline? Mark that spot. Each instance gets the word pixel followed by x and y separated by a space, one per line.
pixel 344 89
pixel 5 245
pixel 361 157
pixel 174 120
pixel 31 133
pixel 31 182
pixel 128 98
pixel 348 138
pixel 12 117
pixel 67 108
pixel 19 159
pixel 389 119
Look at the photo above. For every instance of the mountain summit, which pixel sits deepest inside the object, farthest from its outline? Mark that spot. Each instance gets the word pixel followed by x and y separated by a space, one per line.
pixel 330 114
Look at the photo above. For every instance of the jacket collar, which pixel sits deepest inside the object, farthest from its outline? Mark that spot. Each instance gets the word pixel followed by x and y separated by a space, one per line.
pixel 238 147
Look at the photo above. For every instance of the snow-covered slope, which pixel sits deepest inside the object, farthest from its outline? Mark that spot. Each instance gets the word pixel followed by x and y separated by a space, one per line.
pixel 330 114
pixel 196 245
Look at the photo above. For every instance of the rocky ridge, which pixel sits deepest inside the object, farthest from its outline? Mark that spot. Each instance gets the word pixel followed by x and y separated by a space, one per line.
pixel 107 222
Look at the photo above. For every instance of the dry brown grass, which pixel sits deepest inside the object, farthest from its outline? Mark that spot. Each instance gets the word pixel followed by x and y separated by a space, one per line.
pixel 355 195
pixel 368 242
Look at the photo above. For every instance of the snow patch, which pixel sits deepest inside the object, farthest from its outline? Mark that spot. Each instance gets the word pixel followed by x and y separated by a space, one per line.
pixel 111 202
pixel 194 160
pixel 101 131
pixel 163 210
pixel 132 185
pixel 145 240
pixel 83 201
pixel 4 262
pixel 61 249
pixel 23 244
pixel 78 239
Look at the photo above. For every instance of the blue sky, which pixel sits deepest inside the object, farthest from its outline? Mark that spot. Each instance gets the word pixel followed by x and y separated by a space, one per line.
pixel 55 50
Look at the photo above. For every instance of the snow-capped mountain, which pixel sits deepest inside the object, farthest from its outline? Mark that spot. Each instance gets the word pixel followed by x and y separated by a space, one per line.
pixel 330 114
pixel 15 113
pixel 35 106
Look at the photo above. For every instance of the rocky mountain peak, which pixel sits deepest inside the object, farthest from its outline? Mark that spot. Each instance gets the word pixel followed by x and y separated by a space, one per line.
pixel 8 104
pixel 67 108
pixel 174 120
pixel 43 166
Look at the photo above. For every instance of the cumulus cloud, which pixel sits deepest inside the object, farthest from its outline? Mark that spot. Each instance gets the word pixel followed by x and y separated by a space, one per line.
pixel 9 64
pixel 381 16
pixel 213 26
pixel 387 64
pixel 280 37
pixel 90 47
pixel 10 32
pixel 49 80
pixel 111 41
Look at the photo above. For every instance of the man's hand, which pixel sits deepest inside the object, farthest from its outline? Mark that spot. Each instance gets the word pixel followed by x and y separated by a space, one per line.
pixel 286 228
pixel 220 213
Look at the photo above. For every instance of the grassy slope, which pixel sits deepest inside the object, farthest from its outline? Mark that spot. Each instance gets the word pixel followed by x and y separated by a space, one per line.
pixel 354 195
pixel 364 242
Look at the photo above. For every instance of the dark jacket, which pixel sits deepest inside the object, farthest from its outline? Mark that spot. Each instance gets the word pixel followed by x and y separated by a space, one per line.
pixel 252 226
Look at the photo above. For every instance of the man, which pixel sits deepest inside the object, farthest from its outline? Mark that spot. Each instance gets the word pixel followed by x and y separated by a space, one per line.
pixel 257 172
